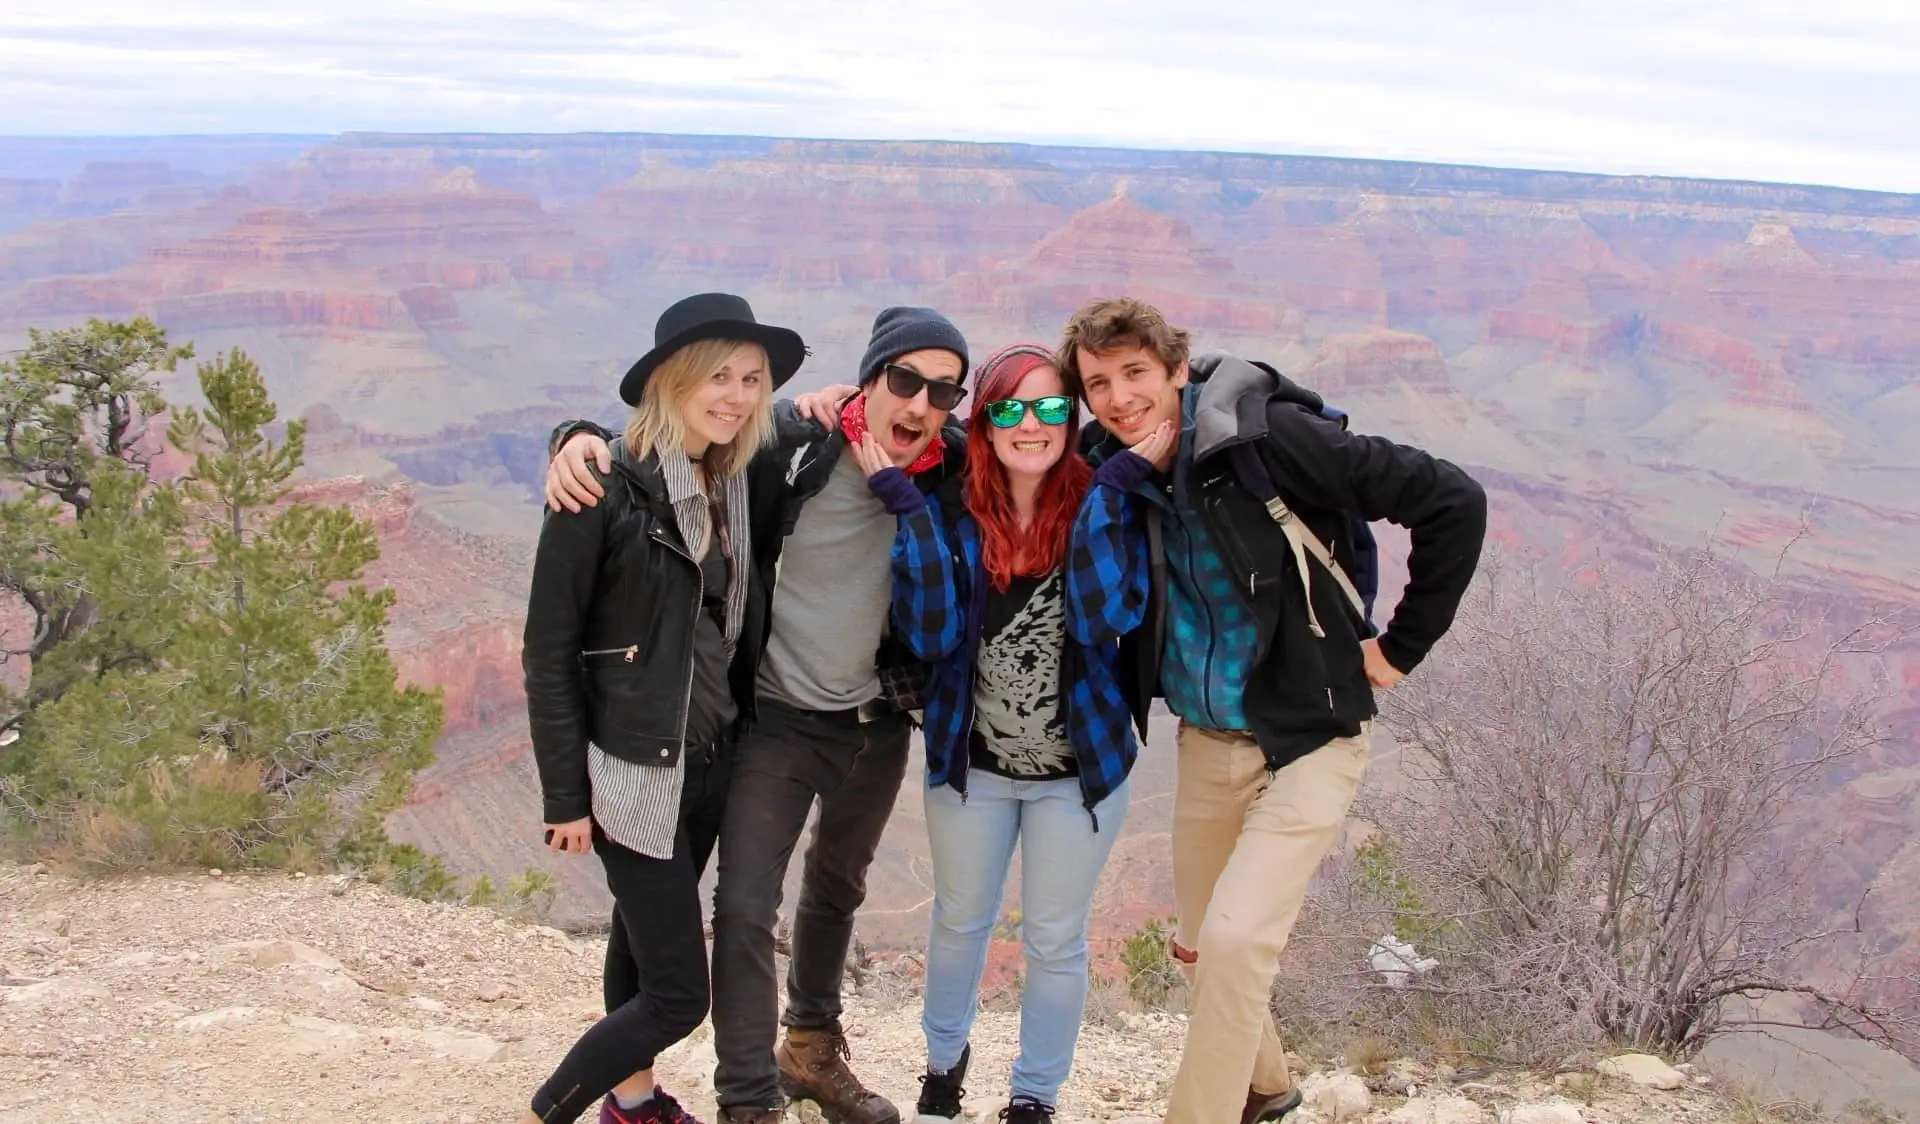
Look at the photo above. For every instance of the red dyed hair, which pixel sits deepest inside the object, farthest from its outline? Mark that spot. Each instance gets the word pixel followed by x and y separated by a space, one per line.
pixel 1006 550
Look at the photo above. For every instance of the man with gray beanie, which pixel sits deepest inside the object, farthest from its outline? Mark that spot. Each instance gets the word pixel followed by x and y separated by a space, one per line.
pixel 828 726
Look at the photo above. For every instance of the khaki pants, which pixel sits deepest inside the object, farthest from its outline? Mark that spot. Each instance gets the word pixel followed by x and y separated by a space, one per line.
pixel 1245 845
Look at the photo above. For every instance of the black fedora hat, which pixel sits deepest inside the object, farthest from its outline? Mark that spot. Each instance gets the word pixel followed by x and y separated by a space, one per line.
pixel 713 316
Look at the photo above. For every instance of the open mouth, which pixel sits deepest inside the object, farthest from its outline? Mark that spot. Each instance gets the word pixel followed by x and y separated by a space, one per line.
pixel 726 419
pixel 1032 446
pixel 1133 420
pixel 906 435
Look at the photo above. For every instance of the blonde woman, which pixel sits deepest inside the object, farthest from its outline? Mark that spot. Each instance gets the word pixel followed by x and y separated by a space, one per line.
pixel 641 606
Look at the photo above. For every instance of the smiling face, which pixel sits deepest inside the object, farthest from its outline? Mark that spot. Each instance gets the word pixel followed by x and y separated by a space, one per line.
pixel 1130 390
pixel 1033 447
pixel 715 409
pixel 906 426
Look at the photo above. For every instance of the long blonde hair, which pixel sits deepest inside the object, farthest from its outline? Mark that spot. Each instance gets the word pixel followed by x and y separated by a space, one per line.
pixel 657 423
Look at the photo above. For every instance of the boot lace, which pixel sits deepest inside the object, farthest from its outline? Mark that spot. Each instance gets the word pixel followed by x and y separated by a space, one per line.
pixel 1026 1110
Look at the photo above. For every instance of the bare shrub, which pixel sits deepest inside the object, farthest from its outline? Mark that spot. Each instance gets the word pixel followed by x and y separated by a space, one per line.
pixel 1108 1000
pixel 1599 838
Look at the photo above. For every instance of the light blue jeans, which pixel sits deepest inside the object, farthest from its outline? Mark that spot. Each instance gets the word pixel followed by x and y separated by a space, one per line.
pixel 1061 860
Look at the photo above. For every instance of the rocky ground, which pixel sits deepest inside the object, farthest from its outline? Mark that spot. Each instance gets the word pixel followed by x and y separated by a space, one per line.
pixel 288 998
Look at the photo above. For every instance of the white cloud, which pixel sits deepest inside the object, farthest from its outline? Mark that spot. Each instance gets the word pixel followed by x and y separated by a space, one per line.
pixel 1761 89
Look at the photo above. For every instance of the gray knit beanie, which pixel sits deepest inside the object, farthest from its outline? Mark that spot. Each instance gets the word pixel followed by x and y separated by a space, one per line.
pixel 900 330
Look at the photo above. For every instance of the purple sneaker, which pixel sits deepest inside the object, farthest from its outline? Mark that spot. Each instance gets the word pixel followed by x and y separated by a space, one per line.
pixel 660 1108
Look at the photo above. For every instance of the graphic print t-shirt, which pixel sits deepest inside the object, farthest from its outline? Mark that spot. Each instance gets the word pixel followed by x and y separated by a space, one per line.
pixel 1018 730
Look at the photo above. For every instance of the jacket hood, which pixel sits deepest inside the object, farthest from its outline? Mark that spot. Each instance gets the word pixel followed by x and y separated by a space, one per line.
pixel 1233 398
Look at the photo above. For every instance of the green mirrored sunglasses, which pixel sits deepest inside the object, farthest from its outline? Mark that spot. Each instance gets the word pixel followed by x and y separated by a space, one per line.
pixel 1006 413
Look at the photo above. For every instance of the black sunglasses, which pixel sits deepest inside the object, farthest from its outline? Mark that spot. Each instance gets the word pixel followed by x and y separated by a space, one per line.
pixel 906 382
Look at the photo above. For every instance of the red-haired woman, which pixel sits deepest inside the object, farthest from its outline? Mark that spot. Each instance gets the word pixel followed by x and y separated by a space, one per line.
pixel 1027 732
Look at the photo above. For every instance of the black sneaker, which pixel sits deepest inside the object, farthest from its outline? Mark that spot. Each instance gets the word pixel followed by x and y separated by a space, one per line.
pixel 1026 1110
pixel 1265 1107
pixel 940 1093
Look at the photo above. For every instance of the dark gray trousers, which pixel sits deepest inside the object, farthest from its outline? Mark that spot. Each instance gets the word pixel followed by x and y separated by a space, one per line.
pixel 787 761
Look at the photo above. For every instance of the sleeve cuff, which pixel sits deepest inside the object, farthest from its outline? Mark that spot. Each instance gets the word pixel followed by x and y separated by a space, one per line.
pixel 1124 471
pixel 896 491
pixel 1403 657
pixel 566 810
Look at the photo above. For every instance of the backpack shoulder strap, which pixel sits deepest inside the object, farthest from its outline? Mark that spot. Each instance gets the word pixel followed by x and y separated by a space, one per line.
pixel 1252 473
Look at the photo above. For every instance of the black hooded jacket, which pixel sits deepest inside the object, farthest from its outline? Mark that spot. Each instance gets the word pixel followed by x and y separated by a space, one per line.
pixel 1306 689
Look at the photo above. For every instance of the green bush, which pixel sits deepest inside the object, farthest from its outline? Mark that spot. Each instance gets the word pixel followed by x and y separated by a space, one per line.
pixel 1153 975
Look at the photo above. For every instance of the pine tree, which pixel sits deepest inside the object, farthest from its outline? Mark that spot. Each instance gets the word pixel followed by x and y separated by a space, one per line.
pixel 290 672
pixel 75 409
pixel 210 680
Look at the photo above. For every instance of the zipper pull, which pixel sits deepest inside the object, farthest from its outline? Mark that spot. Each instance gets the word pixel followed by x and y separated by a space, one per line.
pixel 1252 577
pixel 633 650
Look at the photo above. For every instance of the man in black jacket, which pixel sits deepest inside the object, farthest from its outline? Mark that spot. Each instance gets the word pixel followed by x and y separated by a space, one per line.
pixel 1220 518
pixel 822 730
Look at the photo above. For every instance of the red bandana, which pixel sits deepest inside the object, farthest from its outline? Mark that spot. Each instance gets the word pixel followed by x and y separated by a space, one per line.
pixel 853 423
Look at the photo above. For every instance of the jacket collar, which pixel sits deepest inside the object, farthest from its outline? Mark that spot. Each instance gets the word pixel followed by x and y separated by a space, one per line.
pixel 643 474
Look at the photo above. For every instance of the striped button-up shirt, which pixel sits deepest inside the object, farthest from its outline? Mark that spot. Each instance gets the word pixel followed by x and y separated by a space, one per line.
pixel 638 806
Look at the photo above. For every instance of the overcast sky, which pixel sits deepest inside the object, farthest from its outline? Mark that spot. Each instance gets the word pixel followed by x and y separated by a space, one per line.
pixel 1815 91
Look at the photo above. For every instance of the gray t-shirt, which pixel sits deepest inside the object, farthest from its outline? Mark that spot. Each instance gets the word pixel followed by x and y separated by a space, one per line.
pixel 831 598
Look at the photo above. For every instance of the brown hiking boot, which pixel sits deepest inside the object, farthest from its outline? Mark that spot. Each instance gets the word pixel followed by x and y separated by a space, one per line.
pixel 813 1067
pixel 1268 1106
pixel 747 1114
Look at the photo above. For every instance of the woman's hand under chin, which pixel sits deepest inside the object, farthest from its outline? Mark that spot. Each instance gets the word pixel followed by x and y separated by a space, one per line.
pixel 870 455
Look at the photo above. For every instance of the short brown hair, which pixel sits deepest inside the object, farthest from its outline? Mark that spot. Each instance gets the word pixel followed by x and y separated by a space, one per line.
pixel 1105 323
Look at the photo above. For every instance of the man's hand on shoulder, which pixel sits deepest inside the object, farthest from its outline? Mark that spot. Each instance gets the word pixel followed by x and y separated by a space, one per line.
pixel 1380 673
pixel 823 405
pixel 571 484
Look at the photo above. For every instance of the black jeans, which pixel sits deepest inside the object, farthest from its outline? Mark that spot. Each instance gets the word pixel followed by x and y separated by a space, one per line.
pixel 788 760
pixel 655 983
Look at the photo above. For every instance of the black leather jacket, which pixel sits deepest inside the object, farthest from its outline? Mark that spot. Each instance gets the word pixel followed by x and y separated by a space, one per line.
pixel 608 648
pixel 780 481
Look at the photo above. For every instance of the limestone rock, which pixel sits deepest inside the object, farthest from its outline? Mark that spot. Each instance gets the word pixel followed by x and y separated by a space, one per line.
pixel 1546 1112
pixel 695 1055
pixel 1644 1070
pixel 277 954
pixel 1338 1098
pixel 1437 1110
pixel 306 1034
pixel 64 990
pixel 463 1045
pixel 207 1020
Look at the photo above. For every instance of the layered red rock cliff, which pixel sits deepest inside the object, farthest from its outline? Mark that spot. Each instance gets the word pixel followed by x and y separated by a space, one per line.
pixel 1629 363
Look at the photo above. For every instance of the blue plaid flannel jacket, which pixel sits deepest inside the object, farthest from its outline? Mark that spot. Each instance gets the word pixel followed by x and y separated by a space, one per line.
pixel 1108 569
pixel 939 602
